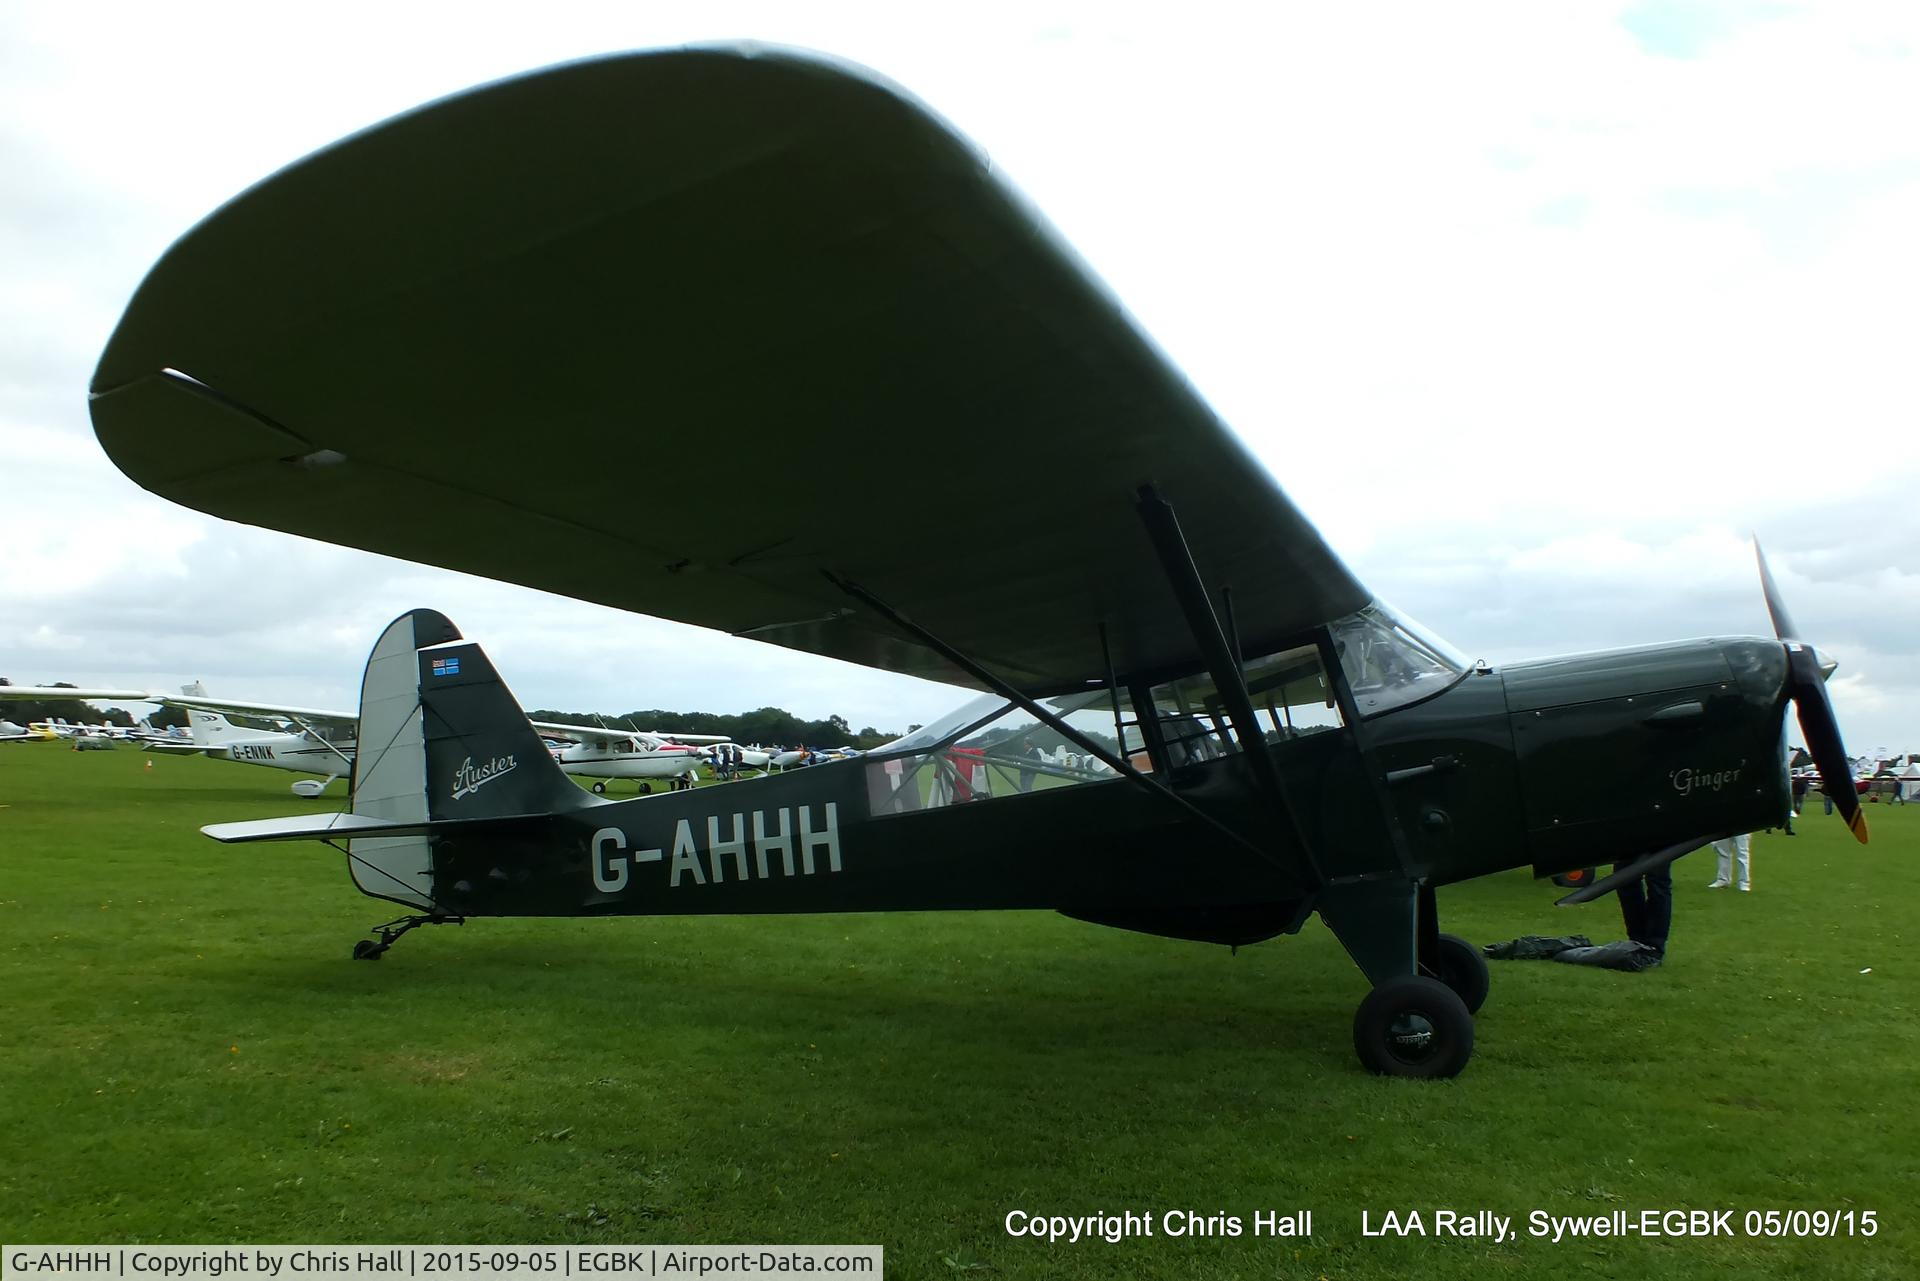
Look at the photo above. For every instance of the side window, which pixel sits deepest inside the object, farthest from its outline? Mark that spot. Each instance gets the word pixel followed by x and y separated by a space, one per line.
pixel 1291 697
pixel 998 755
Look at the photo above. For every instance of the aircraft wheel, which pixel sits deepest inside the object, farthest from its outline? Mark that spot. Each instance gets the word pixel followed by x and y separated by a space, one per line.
pixel 1460 966
pixel 1413 1026
pixel 646 789
pixel 599 787
pixel 367 950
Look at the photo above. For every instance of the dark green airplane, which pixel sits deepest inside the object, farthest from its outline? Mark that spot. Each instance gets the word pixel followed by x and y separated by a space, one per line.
pixel 471 335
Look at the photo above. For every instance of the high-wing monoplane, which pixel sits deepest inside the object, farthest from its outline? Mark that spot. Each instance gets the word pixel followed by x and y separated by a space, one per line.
pixel 600 753
pixel 403 342
pixel 304 740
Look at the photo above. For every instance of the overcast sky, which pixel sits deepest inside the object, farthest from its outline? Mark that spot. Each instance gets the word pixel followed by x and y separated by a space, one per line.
pixel 1538 311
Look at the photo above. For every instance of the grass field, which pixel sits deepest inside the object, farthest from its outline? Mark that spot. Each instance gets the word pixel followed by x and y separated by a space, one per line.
pixel 188 1055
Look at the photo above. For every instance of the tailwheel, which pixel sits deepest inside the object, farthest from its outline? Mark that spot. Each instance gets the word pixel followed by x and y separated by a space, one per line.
pixel 372 949
pixel 1459 965
pixel 1413 1026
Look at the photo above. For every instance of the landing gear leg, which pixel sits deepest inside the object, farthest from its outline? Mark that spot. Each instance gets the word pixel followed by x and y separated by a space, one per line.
pixel 1414 1023
pixel 389 934
pixel 1450 958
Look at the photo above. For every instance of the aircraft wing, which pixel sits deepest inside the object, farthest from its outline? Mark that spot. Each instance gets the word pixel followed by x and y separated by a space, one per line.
pixel 652 738
pixel 203 703
pixel 578 733
pixel 42 693
pixel 466 335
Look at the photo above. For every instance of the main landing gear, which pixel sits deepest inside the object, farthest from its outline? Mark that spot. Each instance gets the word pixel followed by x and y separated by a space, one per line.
pixel 1418 1019
pixel 1413 1026
pixel 389 934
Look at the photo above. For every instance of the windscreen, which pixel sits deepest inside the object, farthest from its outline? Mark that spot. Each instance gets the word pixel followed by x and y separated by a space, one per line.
pixel 1389 661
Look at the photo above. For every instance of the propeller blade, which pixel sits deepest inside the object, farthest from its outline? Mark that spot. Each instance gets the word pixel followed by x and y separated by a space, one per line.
pixel 1776 608
pixel 1807 684
pixel 1822 732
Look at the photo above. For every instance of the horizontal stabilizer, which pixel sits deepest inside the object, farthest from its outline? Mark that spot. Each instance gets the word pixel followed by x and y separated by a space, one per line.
pixel 321 827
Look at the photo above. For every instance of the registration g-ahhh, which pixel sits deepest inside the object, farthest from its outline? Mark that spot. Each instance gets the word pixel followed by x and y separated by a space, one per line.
pixel 1196 721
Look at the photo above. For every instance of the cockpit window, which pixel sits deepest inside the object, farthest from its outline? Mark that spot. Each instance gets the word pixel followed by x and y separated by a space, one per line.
pixel 1290 695
pixel 1389 661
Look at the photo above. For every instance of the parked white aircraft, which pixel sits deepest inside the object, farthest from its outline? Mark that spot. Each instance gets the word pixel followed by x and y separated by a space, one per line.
pixel 599 753
pixel 321 742
pixel 314 742
pixel 59 727
pixel 11 732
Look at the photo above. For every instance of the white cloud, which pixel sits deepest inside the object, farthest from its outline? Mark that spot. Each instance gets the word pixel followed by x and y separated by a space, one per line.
pixel 1535 322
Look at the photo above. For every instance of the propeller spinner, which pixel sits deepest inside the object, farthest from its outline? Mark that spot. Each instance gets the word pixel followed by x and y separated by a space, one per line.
pixel 1807 686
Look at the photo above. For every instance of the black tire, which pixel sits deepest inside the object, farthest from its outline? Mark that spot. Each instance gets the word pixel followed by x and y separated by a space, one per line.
pixel 599 787
pixel 1413 1026
pixel 646 789
pixel 1461 967
pixel 368 950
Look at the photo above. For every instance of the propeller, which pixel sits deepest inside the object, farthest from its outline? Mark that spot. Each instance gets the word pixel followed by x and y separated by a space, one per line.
pixel 1806 684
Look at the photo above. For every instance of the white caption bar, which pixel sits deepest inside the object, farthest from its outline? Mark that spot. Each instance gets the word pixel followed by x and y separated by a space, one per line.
pixel 434 1262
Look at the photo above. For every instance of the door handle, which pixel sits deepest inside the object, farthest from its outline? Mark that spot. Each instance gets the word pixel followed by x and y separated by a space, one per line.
pixel 1438 765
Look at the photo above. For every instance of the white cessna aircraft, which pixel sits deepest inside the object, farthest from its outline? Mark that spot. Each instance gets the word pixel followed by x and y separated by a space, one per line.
pixel 599 753
pixel 313 741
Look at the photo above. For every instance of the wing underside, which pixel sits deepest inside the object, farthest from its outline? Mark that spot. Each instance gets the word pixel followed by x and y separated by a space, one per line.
pixel 726 279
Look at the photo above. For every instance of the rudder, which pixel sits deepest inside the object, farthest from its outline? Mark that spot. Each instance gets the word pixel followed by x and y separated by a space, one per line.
pixel 441 737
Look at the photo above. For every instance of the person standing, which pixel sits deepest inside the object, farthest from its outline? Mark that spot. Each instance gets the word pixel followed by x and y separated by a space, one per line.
pixel 1735 862
pixel 1646 906
pixel 1028 752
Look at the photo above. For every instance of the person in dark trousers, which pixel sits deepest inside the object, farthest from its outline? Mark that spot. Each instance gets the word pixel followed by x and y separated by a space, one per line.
pixel 1028 752
pixel 1646 905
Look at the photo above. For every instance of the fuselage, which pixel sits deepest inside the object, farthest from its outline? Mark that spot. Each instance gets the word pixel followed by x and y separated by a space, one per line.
pixel 668 760
pixel 1556 764
pixel 302 753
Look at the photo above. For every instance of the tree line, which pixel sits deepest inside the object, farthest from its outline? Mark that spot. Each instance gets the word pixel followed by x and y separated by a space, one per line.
pixel 768 726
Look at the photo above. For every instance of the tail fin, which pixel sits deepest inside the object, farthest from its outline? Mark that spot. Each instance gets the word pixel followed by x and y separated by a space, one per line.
pixel 441 738
pixel 213 729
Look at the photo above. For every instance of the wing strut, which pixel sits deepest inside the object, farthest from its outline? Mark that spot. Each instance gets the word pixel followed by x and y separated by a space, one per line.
pixel 325 742
pixel 1222 657
pixel 1046 717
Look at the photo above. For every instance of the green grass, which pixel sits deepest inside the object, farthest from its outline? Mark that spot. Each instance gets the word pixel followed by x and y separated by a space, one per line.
pixel 188 1054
